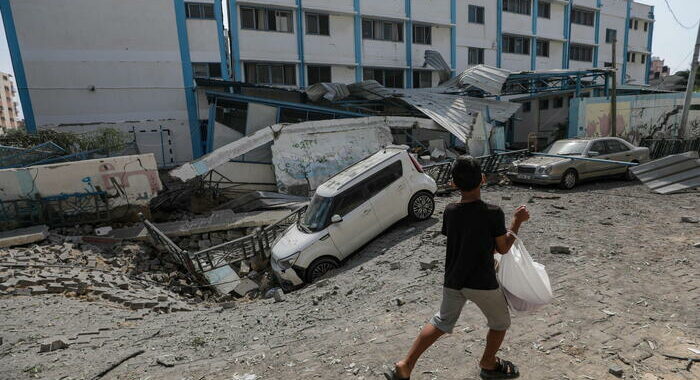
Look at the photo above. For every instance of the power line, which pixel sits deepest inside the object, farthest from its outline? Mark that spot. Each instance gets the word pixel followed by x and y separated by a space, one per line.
pixel 676 18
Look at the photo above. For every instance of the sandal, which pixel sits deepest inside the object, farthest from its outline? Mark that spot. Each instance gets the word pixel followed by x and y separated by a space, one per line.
pixel 393 375
pixel 504 370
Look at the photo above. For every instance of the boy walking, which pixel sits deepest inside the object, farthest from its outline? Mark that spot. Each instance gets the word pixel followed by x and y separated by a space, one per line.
pixel 475 230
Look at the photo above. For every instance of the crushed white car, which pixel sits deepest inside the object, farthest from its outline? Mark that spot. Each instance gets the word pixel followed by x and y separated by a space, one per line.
pixel 349 210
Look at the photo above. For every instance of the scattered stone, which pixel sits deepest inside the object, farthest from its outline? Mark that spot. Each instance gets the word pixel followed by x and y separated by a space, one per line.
pixel 245 269
pixel 38 290
pixel 55 287
pixel 428 265
pixel 559 250
pixel 400 302
pixel 53 344
pixel 689 219
pixel 616 371
pixel 167 360
pixel 395 266
pixel 697 245
pixel 278 295
pixel 244 287
pixel 506 198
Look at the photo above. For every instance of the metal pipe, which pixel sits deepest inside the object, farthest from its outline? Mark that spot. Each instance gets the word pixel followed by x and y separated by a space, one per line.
pixel 587 159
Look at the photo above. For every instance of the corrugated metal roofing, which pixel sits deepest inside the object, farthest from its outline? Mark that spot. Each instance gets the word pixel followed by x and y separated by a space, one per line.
pixel 455 113
pixel 487 78
pixel 670 174
pixel 329 91
pixel 370 90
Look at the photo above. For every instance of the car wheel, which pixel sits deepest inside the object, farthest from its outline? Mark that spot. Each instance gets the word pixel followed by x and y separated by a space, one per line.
pixel 569 179
pixel 320 267
pixel 629 176
pixel 421 206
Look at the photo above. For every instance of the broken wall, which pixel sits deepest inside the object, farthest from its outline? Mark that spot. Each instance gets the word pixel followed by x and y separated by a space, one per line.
pixel 130 180
pixel 304 160
pixel 638 116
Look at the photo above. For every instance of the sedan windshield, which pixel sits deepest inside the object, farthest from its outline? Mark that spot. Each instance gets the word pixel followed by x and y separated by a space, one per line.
pixel 316 216
pixel 567 147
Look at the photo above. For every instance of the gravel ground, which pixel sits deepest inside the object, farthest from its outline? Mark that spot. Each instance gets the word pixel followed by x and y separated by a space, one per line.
pixel 625 296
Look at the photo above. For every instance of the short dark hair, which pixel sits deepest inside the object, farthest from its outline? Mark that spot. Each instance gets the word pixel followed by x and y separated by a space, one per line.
pixel 466 173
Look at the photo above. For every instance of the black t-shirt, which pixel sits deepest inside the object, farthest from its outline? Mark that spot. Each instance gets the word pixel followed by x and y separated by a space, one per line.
pixel 471 230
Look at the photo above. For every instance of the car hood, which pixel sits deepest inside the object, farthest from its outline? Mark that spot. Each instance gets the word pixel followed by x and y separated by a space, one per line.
pixel 294 241
pixel 541 161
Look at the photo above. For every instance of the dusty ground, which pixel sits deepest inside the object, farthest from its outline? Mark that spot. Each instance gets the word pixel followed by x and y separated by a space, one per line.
pixel 628 293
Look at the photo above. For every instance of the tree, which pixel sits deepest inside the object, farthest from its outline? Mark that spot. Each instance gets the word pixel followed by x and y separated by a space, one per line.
pixel 685 73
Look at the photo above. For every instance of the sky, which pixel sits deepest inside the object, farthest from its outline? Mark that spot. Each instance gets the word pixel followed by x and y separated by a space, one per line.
pixel 671 42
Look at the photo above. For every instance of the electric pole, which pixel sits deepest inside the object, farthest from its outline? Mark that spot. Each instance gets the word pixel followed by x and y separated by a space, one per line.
pixel 613 96
pixel 689 89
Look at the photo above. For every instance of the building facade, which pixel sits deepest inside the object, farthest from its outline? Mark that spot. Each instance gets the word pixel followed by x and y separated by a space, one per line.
pixel 9 117
pixel 658 69
pixel 301 42
pixel 82 65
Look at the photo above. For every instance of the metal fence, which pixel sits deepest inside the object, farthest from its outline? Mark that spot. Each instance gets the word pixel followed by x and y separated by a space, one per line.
pixel 59 210
pixel 495 163
pixel 664 147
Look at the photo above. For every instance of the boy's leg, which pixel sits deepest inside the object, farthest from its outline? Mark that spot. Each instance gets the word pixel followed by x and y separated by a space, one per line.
pixel 493 305
pixel 443 322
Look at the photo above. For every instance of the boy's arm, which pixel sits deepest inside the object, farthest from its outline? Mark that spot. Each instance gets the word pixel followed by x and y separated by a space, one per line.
pixel 505 242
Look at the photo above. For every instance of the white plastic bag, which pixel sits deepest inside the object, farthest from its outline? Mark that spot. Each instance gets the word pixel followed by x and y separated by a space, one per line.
pixel 525 282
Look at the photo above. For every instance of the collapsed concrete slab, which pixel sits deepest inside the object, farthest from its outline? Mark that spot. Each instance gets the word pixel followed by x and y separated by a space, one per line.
pixel 22 236
pixel 220 220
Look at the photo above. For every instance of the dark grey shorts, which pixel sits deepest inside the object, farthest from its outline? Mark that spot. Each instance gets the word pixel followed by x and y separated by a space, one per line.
pixel 491 302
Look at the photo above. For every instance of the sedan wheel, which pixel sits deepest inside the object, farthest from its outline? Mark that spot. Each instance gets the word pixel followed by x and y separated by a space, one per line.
pixel 568 181
pixel 421 206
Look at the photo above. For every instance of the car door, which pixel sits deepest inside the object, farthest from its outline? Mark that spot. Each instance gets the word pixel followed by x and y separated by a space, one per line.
pixel 359 224
pixel 591 168
pixel 389 194
pixel 619 152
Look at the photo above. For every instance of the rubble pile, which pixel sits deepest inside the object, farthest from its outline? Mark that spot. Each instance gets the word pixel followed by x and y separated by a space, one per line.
pixel 124 274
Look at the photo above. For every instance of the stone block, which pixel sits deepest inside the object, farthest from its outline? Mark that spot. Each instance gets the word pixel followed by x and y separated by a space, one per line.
pixel 53 344
pixel 559 250
pixel 54 287
pixel 245 286
pixel 38 290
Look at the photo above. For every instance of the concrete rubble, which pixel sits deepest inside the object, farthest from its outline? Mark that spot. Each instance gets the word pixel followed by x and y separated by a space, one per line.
pixel 22 236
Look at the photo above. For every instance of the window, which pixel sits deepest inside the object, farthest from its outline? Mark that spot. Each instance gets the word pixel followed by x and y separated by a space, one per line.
pixel 544 104
pixel 615 146
pixel 517 6
pixel 421 34
pixel 206 70
pixel 631 23
pixel 610 35
pixel 527 106
pixel 273 20
pixel 475 56
pixel 516 45
pixel 607 64
pixel 384 178
pixel 582 16
pixel 631 57
pixel 422 79
pixel 646 26
pixel 636 24
pixel 271 73
pixel 317 24
pixel 581 53
pixel 199 10
pixel 558 102
pixel 385 77
pixel 476 14
pixel 382 30
pixel 542 48
pixel 600 147
pixel 543 9
pixel 349 200
pixel 319 74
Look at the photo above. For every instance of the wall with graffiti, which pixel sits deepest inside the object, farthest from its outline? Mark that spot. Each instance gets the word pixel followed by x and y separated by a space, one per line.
pixel 125 180
pixel 638 117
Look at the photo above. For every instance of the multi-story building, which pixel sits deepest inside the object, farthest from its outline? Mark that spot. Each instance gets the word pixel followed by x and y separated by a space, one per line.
pixel 9 117
pixel 658 69
pixel 298 43
pixel 82 65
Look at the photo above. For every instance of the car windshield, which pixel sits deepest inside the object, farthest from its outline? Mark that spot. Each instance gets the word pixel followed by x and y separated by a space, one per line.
pixel 567 147
pixel 316 216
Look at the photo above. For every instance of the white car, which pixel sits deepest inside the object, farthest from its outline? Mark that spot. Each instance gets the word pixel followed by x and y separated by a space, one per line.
pixel 349 210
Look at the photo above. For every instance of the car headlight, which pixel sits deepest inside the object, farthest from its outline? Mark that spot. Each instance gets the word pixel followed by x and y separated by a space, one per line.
pixel 544 170
pixel 288 261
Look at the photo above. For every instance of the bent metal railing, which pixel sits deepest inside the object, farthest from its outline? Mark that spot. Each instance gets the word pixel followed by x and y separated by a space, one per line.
pixel 257 244
pixel 441 172
pixel 665 147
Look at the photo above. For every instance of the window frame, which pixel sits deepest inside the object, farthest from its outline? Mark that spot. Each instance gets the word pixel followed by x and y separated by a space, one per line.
pixel 543 104
pixel 545 44
pixel 266 19
pixel 558 102
pixel 541 5
pixel 521 7
pixel 391 173
pixel 479 55
pixel 419 75
pixel 384 77
pixel 379 26
pixel 318 23
pixel 337 200
pixel 476 14
pixel 524 44
pixel 269 66
pixel 203 7
pixel 209 65
pixel 609 40
pixel 320 74
pixel 580 16
pixel 580 51
pixel 429 34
